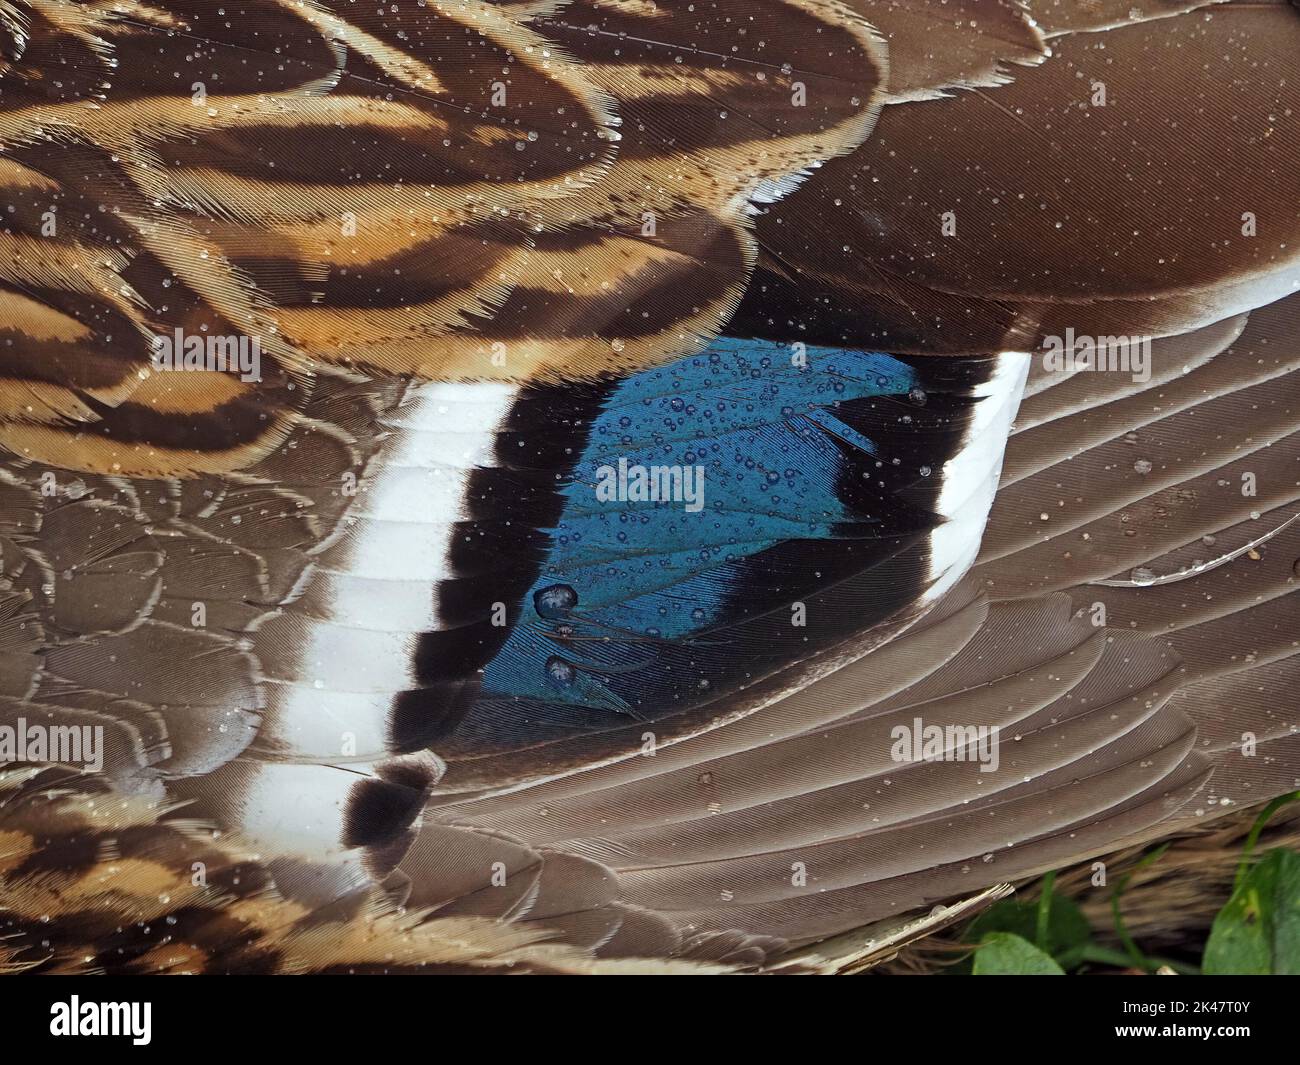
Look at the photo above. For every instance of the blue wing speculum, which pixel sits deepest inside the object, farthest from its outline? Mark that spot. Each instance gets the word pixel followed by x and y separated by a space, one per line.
pixel 541 578
pixel 677 536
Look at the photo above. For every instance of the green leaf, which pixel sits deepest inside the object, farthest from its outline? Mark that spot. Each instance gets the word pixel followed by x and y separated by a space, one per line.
pixel 1257 828
pixel 1067 927
pixel 1004 954
pixel 1258 932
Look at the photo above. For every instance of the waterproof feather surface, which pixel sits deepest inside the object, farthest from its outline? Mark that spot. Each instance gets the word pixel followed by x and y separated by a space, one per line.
pixel 613 485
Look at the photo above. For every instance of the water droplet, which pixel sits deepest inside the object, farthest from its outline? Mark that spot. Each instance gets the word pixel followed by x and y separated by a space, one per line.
pixel 555 601
pixel 561 672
